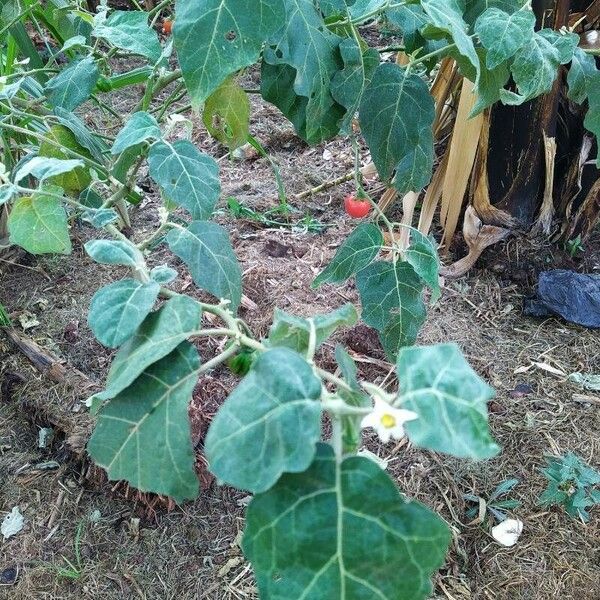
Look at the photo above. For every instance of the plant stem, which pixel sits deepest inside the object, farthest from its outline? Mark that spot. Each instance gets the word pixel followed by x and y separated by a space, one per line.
pixel 325 186
pixel 220 358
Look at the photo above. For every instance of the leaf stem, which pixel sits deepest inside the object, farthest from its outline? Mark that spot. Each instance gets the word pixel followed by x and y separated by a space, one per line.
pixel 220 358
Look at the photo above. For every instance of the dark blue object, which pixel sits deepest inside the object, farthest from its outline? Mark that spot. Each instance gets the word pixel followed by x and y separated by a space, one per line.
pixel 573 296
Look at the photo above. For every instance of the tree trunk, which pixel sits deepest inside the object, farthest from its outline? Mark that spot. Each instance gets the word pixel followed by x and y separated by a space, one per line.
pixel 532 172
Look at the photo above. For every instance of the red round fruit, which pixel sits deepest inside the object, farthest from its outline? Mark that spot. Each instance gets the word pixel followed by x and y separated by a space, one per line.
pixel 167 26
pixel 356 207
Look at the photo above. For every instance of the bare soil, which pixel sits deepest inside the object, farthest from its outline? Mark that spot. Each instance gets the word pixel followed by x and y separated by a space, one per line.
pixel 127 550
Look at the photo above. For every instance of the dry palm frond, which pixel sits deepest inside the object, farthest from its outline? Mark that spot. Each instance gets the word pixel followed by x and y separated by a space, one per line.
pixel 409 201
pixel 546 213
pixel 478 237
pixel 462 152
pixel 432 196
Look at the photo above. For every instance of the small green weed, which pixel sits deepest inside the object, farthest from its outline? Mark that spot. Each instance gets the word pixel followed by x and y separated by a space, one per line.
pixel 571 483
pixel 493 504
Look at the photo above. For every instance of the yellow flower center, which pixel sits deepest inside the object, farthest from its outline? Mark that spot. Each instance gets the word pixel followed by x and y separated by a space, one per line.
pixel 388 421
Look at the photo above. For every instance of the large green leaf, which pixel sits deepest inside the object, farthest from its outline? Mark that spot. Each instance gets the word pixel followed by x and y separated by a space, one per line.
pixel 490 85
pixel 535 65
pixel 89 143
pixel 391 297
pixel 143 434
pixel 300 61
pixel 129 30
pixel 277 87
pixel 447 16
pixel 592 118
pixel 160 333
pixel 226 114
pixel 474 8
pixel 140 127
pixel 205 248
pixel 294 332
pixel 503 34
pixel 269 425
pixel 411 19
pixel 423 257
pixel 114 252
pixel 348 84
pixel 582 71
pixel 216 38
pixel 187 177
pixel 118 309
pixel 342 531
pixel 45 169
pixel 38 224
pixel 396 118
pixel 439 385
pixel 74 84
pixel 358 250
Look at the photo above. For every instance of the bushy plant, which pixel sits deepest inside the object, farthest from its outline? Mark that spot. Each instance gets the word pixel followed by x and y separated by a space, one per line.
pixel 324 522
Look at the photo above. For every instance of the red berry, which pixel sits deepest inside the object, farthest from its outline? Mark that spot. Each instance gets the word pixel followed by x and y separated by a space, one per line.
pixel 355 207
pixel 167 26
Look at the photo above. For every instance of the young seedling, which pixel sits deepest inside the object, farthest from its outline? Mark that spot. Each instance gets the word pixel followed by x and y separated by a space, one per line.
pixel 493 505
pixel 572 483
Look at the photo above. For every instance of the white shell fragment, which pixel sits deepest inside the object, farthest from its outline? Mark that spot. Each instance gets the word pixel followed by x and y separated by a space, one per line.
pixel 12 523
pixel 508 532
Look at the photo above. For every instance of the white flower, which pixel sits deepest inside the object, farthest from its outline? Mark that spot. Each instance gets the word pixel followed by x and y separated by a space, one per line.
pixel 508 532
pixel 387 420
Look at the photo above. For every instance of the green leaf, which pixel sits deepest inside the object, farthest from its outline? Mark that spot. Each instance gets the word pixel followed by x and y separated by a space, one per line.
pixel 269 425
pixel 439 385
pixel 396 118
pixel 582 71
pixel 206 250
pixel 348 84
pixel 163 274
pixel 351 424
pixel 226 114
pixel 294 332
pixel 423 257
pixel 160 333
pixel 503 34
pixel 84 140
pixel 592 117
pixel 118 309
pixel 535 65
pixel 141 127
pixel 490 85
pixel 391 297
pixel 7 191
pixel 411 19
pixel 43 168
pixel 74 84
pixel 358 250
pixel 129 30
pixel 100 218
pixel 70 174
pixel 188 178
pixel 277 87
pixel 447 16
pixel 299 64
pixel 114 252
pixel 143 434
pixel 474 8
pixel 342 531
pixel 38 223
pixel 216 38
